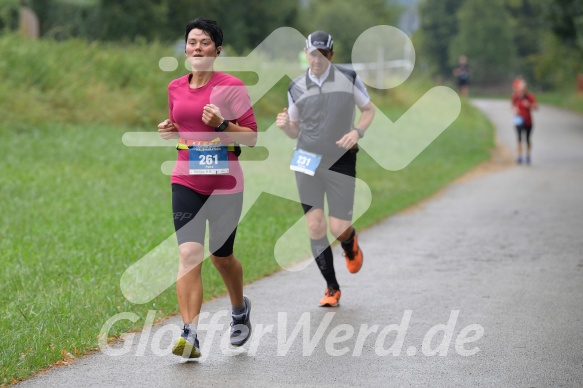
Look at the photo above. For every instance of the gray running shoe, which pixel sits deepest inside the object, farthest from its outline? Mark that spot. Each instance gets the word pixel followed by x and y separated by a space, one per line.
pixel 186 346
pixel 241 325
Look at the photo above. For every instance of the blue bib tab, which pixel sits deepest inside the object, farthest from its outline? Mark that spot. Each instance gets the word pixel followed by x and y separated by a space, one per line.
pixel 305 162
pixel 208 160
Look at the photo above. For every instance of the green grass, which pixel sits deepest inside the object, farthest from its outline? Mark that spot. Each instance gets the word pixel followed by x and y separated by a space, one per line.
pixel 561 97
pixel 78 207
pixel 564 99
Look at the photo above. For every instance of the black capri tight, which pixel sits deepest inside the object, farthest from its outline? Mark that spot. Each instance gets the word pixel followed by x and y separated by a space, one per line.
pixel 526 129
pixel 192 210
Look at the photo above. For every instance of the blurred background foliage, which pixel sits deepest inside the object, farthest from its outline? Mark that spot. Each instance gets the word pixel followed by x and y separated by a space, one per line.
pixel 541 40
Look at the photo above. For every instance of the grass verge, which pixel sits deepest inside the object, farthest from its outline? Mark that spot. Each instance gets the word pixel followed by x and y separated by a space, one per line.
pixel 567 100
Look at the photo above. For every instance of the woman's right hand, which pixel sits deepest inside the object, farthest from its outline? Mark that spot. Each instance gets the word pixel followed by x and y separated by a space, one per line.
pixel 168 130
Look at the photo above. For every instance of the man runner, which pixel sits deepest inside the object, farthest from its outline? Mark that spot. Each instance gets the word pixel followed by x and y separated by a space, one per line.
pixel 321 116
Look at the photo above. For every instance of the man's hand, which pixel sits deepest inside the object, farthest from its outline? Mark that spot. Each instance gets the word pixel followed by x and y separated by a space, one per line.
pixel 282 120
pixel 290 128
pixel 168 130
pixel 349 140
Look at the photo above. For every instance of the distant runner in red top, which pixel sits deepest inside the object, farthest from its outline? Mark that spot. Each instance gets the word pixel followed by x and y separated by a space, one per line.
pixel 516 83
pixel 523 102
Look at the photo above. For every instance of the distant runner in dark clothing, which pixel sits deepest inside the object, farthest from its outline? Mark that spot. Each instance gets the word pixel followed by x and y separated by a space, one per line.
pixel 462 73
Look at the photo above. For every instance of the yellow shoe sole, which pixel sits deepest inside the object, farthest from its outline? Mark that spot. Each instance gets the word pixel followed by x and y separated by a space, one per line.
pixel 185 349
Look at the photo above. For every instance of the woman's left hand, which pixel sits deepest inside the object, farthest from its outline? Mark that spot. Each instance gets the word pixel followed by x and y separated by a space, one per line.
pixel 211 115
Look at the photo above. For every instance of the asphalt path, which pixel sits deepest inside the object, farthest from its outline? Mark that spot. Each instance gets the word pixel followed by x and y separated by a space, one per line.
pixel 480 286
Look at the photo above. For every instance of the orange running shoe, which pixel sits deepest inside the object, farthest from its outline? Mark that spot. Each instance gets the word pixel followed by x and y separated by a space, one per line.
pixel 354 257
pixel 331 298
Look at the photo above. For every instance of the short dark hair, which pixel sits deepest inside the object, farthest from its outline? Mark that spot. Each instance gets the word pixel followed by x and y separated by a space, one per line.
pixel 207 25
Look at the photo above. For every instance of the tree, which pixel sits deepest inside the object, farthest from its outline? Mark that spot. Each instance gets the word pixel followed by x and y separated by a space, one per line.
pixel 566 20
pixel 540 39
pixel 438 26
pixel 345 20
pixel 8 15
pixel 63 19
pixel 130 19
pixel 560 58
pixel 42 8
pixel 485 36
pixel 528 26
pixel 245 24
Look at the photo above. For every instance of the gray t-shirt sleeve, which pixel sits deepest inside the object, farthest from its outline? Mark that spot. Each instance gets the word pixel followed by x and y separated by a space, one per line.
pixel 292 109
pixel 361 97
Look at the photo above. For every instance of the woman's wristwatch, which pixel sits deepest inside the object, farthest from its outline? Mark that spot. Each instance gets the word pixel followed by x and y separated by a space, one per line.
pixel 223 126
